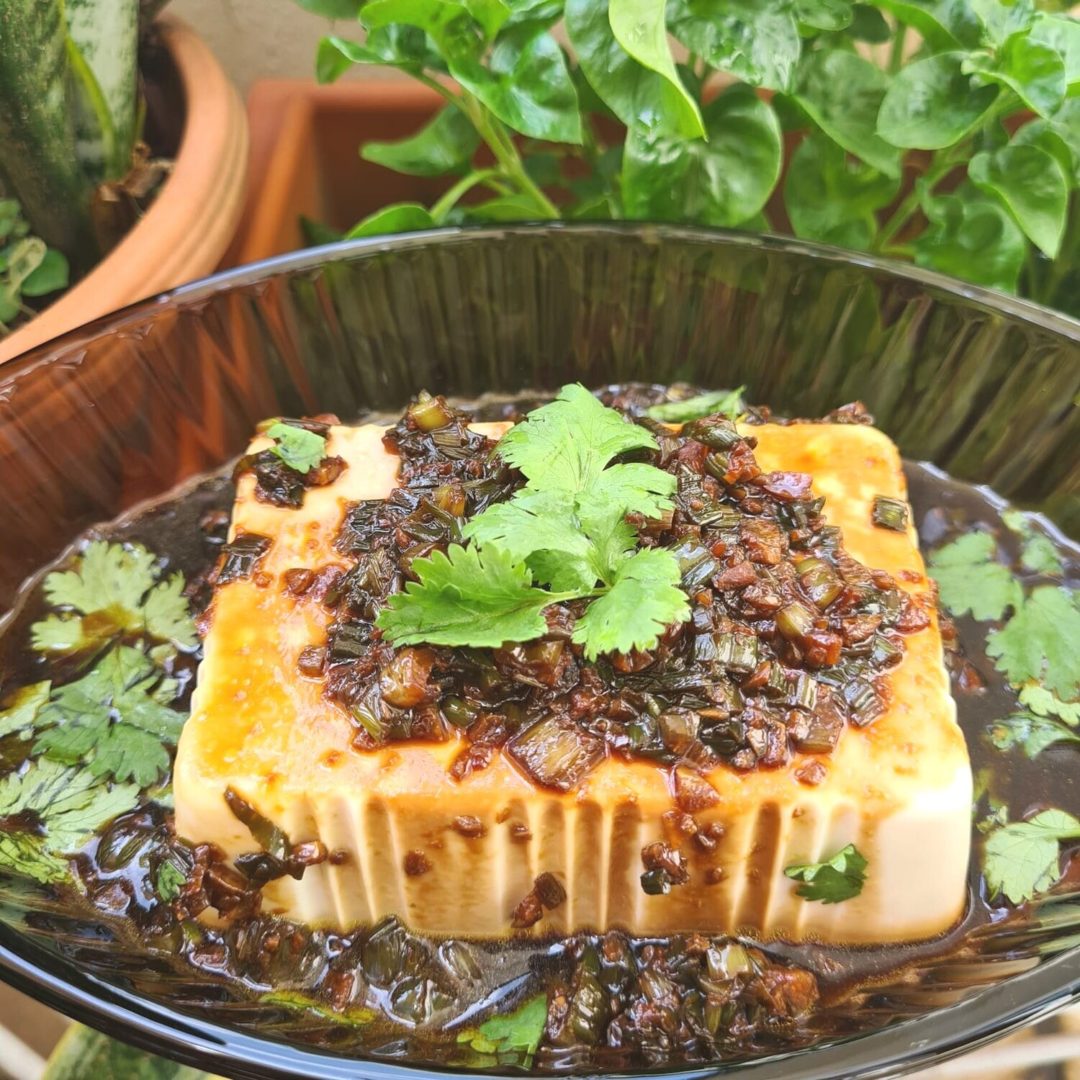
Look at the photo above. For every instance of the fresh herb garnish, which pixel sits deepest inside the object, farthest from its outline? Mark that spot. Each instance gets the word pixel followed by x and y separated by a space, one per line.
pixel 727 403
pixel 515 1036
pixel 48 811
pixel 115 719
pixel 971 580
pixel 832 881
pixel 113 590
pixel 23 708
pixel 1041 642
pixel 299 448
pixel 1021 858
pixel 566 529
pixel 1037 553
pixel 1031 733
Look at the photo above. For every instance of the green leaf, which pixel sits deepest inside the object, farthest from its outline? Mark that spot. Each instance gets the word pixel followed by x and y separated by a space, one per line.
pixel 972 237
pixel 868 24
pixel 525 81
pixel 23 258
pixel 832 197
pixel 23 707
pixel 722 182
pixel 832 881
pixel 1032 734
pixel 70 804
pixel 636 95
pixel 50 275
pixel 396 218
pixel 113 589
pixel 757 43
pixel 535 521
pixel 727 403
pixel 1032 186
pixel 445 145
pixel 828 15
pixel 299 448
pixel 635 611
pixel 1047 136
pixel 1037 553
pixel 843 93
pixel 1001 21
pixel 943 23
pixel 566 444
pixel 336 55
pixel 466 597
pixel 517 1033
pixel 1062 34
pixel 114 719
pixel 1042 702
pixel 1035 72
pixel 932 103
pixel 640 28
pixel 1021 859
pixel 971 580
pixel 502 208
pixel 333 9
pixel 1041 642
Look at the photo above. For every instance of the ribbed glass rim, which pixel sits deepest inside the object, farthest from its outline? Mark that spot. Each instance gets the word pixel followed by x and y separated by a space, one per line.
pixel 161 1028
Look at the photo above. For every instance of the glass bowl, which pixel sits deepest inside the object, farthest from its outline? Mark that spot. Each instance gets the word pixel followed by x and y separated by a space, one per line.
pixel 981 384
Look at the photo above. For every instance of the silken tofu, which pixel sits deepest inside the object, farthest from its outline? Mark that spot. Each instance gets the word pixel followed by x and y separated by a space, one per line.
pixel 899 789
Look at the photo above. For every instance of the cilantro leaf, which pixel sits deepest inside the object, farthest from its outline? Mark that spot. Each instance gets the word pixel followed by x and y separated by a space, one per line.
pixel 70 805
pixel 727 403
pixel 113 589
pixel 532 522
pixel 299 448
pixel 1032 734
pixel 832 881
pixel 23 708
pixel 516 1034
pixel 1038 553
pixel 467 597
pixel 1041 642
pixel 971 580
pixel 1043 703
pixel 1021 859
pixel 566 444
pixel 114 718
pixel 635 610
pixel 568 529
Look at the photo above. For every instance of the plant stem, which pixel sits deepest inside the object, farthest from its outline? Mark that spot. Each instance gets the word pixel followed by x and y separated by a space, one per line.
pixel 896 53
pixel 941 164
pixel 502 146
pixel 447 202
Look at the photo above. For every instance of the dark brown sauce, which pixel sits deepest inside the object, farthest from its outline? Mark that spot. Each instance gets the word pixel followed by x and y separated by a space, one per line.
pixel 422 992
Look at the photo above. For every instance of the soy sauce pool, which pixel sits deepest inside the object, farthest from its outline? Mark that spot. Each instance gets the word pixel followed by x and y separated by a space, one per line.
pixel 610 1001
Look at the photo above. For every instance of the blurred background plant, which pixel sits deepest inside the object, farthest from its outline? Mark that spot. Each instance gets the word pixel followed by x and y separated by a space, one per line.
pixel 944 132
pixel 70 127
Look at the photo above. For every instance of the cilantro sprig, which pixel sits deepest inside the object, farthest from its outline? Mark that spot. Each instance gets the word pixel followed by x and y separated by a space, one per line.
pixel 832 881
pixel 299 448
pixel 50 810
pixel 113 590
pixel 1021 858
pixel 512 1038
pixel 563 536
pixel 1036 646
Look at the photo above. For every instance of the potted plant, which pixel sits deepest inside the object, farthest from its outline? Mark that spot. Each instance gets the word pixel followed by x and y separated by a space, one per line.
pixel 943 133
pixel 122 160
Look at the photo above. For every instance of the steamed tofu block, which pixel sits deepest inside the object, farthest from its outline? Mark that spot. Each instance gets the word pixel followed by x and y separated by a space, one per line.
pixel 899 789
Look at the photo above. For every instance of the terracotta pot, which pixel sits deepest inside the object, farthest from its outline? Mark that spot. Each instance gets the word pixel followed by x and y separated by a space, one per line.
pixel 305 159
pixel 191 222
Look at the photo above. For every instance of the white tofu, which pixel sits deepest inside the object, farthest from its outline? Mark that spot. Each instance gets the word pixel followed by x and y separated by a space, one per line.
pixel 899 789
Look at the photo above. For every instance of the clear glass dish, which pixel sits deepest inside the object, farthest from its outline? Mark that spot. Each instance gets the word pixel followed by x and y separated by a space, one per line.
pixel 981 384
